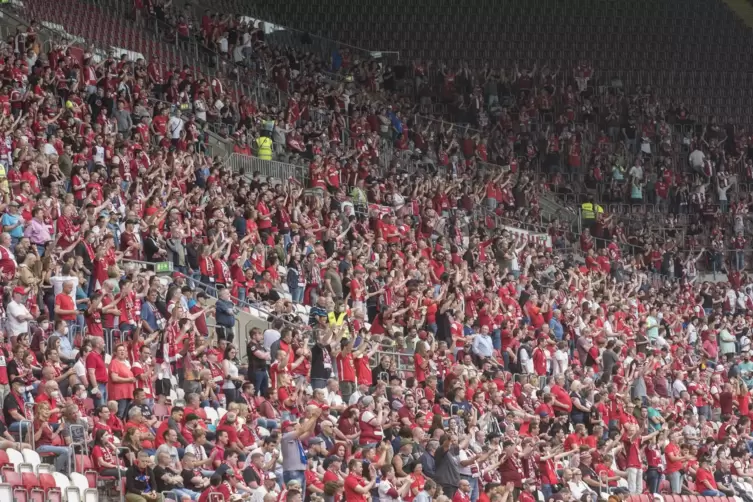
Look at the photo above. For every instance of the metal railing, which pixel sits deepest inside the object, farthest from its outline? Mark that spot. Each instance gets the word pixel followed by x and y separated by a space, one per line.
pixel 248 165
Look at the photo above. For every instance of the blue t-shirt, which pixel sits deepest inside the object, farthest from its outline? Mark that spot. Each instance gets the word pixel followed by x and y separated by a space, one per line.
pixel 11 219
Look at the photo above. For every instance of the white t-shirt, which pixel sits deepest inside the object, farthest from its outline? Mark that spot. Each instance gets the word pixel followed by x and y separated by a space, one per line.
pixel 270 337
pixel 175 126
pixel 696 158
pixel 15 325
pixel 383 488
pixel 200 109
pixel 561 360
pixel 636 172
pixel 80 368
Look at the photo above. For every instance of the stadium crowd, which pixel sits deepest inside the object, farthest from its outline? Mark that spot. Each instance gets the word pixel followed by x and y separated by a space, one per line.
pixel 555 367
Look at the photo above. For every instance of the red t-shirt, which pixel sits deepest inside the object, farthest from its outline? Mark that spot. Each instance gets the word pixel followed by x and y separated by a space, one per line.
pixel 94 360
pixel 346 371
pixel 633 451
pixel 351 481
pixel 65 302
pixel 704 475
pixel 99 453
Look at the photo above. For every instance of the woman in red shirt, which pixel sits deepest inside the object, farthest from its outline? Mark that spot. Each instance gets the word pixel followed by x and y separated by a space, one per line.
pixel 122 382
pixel 48 441
pixel 417 481
pixel 105 455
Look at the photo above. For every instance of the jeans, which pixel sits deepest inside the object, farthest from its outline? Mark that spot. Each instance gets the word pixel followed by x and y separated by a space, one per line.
pixel 739 260
pixel 122 407
pixel 635 480
pixel 653 478
pixel 62 456
pixel 675 482
pixel 21 427
pixel 300 476
pixel 100 398
pixel 261 382
pixel 546 490
pixel 297 294
pixel 712 493
pixel 183 492
pixel 318 383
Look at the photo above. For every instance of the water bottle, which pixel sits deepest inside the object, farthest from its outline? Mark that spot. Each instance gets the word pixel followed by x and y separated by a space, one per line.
pixel 223 401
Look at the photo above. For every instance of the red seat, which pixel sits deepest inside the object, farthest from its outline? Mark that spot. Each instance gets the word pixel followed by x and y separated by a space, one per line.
pixel 83 463
pixel 92 477
pixel 30 481
pixel 46 481
pixel 4 460
pixel 20 495
pixel 13 478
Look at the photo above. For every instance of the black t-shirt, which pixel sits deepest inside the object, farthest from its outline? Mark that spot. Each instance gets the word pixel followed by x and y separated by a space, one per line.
pixel 321 362
pixel 443 328
pixel 12 369
pixel 708 301
pixel 724 478
pixel 188 475
pixel 255 363
pixel 593 417
pixel 631 130
pixel 251 476
pixel 12 403
pixel 162 486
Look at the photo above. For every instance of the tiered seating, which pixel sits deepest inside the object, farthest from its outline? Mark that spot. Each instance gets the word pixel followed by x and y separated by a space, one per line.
pixel 693 51
pixel 98 25
pixel 36 482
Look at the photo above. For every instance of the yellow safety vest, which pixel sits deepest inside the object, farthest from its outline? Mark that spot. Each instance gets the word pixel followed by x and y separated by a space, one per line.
pixel 336 320
pixel 264 148
pixel 588 211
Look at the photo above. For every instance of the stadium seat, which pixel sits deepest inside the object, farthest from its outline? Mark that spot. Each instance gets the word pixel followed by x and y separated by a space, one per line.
pixel 15 457
pixel 82 463
pixel 4 460
pixel 79 483
pixel 212 415
pixel 30 480
pixel 72 494
pixel 91 496
pixel 221 413
pixel 33 488
pixel 32 458
pixel 13 478
pixel 61 481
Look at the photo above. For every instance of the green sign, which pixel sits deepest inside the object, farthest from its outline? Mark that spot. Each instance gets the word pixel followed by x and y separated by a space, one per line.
pixel 163 267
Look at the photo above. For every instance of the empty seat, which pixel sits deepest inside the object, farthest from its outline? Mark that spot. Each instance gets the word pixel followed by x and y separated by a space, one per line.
pixel 15 457
pixel 31 458
pixel 61 481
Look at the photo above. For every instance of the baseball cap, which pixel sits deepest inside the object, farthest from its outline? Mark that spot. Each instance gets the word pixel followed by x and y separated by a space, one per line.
pixel 286 424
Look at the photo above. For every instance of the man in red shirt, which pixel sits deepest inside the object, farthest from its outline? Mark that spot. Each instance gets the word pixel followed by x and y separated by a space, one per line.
pixel 65 308
pixel 705 483
pixel 528 494
pixel 97 371
pixel 463 493
pixel 346 370
pixel 632 443
pixel 675 460
pixel 356 487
